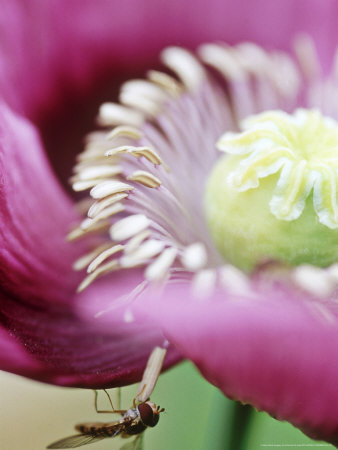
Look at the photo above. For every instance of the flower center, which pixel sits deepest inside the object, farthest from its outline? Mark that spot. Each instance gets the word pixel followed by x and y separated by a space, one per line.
pixel 274 195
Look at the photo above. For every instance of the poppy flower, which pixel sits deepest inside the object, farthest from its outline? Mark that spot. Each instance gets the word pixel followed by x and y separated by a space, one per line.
pixel 149 175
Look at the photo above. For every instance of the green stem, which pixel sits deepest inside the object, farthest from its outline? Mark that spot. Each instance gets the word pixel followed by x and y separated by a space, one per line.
pixel 238 427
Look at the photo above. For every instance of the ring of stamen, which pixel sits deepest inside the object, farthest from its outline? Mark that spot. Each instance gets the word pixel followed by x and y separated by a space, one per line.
pixel 147 168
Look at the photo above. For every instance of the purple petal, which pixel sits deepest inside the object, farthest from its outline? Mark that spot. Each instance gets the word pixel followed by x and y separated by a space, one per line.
pixel 35 259
pixel 278 355
pixel 71 45
pixel 40 335
pixel 14 357
pixel 74 42
pixel 54 346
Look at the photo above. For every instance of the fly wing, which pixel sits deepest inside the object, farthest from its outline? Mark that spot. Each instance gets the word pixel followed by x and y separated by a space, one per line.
pixel 76 441
pixel 135 444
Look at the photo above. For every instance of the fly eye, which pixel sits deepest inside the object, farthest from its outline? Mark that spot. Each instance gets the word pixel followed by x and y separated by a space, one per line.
pixel 148 414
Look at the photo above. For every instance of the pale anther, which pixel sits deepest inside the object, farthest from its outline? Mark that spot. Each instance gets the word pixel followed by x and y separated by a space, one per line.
pixel 145 178
pixel 159 268
pixel 222 60
pixel 93 172
pixel 100 205
pixel 110 266
pixel 116 208
pixel 144 252
pixel 118 150
pixel 143 95
pixel 103 256
pixel 125 131
pixel 108 188
pixel 114 114
pixel 86 259
pixel 79 186
pixel 135 241
pixel 185 65
pixel 234 280
pixel 204 283
pixel 194 257
pixel 307 56
pixel 128 227
pixel 78 232
pixel 139 102
pixel 148 89
pixel 165 81
pixel 314 280
pixel 147 153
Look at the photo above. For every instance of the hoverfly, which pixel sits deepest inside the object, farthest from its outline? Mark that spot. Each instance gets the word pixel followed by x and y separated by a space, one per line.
pixel 134 421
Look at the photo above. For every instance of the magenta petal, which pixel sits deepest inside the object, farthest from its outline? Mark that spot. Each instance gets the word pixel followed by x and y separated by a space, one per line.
pixel 51 49
pixel 54 346
pixel 280 356
pixel 14 357
pixel 35 214
pixel 40 336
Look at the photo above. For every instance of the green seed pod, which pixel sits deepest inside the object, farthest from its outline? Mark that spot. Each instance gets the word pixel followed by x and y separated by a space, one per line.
pixel 274 195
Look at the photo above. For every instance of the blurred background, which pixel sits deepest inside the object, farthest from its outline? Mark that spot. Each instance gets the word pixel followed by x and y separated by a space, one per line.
pixel 197 417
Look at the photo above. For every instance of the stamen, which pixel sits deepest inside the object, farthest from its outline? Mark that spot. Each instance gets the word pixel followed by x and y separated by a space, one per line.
pixel 113 114
pixel 106 188
pixel 152 217
pixel 143 253
pixel 128 227
pixel 116 208
pixel 166 82
pixel 107 253
pixel 117 150
pixel 105 202
pixel 95 172
pixel 222 60
pixel 106 268
pixel 204 284
pixel 86 259
pixel 147 153
pixel 79 186
pixel 307 56
pixel 145 178
pixel 78 232
pixel 159 268
pixel 135 241
pixel 194 257
pixel 233 280
pixel 143 95
pixel 127 131
pixel 314 280
pixel 185 65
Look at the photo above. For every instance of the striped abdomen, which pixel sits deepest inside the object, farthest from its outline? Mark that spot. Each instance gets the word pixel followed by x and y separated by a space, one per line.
pixel 104 429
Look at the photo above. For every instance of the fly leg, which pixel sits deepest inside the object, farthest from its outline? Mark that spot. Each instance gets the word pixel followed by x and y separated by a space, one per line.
pixel 112 411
